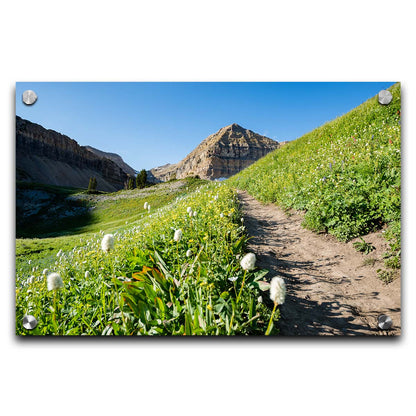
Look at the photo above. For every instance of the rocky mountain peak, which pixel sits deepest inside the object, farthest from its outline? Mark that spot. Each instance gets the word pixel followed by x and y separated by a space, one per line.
pixel 220 155
pixel 235 128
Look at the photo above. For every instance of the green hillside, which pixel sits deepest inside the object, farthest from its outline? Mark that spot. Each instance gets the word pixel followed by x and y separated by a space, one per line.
pixel 149 282
pixel 43 234
pixel 344 175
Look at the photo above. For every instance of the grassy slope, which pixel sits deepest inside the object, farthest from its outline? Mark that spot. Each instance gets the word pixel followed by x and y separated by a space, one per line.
pixel 108 210
pixel 148 284
pixel 345 174
pixel 112 212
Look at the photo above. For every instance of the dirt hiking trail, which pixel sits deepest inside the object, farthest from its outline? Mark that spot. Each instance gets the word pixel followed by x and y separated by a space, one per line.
pixel 329 289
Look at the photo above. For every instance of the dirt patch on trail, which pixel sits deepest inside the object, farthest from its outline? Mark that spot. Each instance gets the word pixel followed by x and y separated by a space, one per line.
pixel 331 288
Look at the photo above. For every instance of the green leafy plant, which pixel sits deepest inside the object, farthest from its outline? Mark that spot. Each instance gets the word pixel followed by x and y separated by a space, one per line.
pixel 363 247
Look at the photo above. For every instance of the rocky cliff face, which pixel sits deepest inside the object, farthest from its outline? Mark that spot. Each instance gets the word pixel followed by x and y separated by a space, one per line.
pixel 117 159
pixel 220 155
pixel 46 156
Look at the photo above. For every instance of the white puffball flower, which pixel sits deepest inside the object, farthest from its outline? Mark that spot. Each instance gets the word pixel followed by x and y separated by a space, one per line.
pixel 189 253
pixel 248 262
pixel 31 279
pixel 107 242
pixel 87 274
pixel 55 281
pixel 221 215
pixel 145 205
pixel 45 271
pixel 178 235
pixel 195 213
pixel 188 210
pixel 191 213
pixel 277 290
pixel 148 207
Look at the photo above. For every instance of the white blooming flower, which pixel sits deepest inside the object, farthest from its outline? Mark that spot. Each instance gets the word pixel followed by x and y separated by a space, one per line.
pixel 58 253
pixel 277 290
pixel 145 205
pixel 31 279
pixel 188 210
pixel 45 271
pixel 107 242
pixel 260 299
pixel 194 213
pixel 87 274
pixel 189 253
pixel 233 279
pixel 221 215
pixel 55 281
pixel 148 208
pixel 248 261
pixel 178 235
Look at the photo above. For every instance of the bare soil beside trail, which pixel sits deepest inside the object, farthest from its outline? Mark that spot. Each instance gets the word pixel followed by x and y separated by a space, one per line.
pixel 330 290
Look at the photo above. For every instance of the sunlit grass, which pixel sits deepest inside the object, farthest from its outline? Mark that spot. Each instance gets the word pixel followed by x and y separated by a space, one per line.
pixel 150 283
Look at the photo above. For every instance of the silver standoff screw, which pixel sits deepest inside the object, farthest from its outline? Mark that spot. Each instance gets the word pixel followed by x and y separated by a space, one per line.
pixel 29 322
pixel 384 322
pixel 385 97
pixel 29 97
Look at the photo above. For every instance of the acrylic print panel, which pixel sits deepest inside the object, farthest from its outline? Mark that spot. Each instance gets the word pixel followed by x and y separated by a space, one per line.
pixel 222 209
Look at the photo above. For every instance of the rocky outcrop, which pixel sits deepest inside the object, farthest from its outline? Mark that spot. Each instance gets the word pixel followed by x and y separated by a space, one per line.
pixel 46 156
pixel 220 155
pixel 117 159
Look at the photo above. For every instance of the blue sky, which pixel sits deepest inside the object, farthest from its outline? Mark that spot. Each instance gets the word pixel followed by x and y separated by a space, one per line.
pixel 150 124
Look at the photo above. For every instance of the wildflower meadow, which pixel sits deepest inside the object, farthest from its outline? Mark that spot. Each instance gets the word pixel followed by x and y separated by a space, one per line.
pixel 180 269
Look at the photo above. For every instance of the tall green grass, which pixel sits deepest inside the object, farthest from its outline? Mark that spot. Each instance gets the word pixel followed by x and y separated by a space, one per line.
pixel 150 284
pixel 344 175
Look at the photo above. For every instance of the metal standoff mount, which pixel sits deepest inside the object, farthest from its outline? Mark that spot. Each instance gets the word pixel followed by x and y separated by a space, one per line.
pixel 29 322
pixel 385 97
pixel 384 322
pixel 29 97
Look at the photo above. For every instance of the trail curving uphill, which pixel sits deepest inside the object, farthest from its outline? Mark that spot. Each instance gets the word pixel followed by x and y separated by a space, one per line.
pixel 330 291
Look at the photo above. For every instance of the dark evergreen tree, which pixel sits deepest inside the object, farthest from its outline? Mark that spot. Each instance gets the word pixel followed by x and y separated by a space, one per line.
pixel 141 179
pixel 92 186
